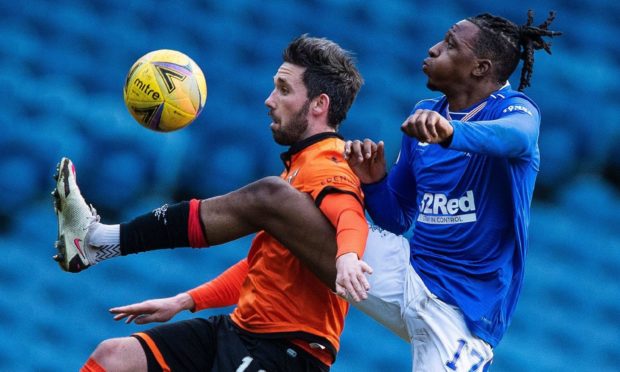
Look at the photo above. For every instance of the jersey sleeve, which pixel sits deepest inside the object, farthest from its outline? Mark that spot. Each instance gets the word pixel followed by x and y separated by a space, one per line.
pixel 338 178
pixel 337 192
pixel 222 291
pixel 513 134
pixel 346 213
pixel 390 202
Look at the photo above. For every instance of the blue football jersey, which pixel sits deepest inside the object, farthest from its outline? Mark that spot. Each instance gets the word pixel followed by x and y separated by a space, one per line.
pixel 469 203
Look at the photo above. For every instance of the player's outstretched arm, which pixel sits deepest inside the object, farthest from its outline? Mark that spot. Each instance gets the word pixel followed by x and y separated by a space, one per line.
pixel 222 291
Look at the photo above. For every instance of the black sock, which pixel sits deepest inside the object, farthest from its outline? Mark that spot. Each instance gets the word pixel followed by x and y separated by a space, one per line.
pixel 164 227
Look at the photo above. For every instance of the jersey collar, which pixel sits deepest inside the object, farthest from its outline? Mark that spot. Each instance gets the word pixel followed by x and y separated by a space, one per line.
pixel 301 145
pixel 472 110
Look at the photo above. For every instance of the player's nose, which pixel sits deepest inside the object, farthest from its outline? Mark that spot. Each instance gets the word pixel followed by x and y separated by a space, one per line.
pixel 434 50
pixel 270 102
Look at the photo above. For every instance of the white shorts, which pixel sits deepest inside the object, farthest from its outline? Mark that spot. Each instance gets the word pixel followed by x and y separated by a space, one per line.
pixel 398 299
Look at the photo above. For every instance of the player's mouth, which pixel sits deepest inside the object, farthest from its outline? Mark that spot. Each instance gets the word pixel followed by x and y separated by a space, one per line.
pixel 274 119
pixel 425 65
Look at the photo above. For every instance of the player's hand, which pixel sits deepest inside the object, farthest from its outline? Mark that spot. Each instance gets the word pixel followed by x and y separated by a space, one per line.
pixel 428 126
pixel 350 278
pixel 158 310
pixel 366 159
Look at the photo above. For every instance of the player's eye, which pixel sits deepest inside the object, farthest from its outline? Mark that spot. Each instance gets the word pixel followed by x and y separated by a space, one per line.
pixel 449 42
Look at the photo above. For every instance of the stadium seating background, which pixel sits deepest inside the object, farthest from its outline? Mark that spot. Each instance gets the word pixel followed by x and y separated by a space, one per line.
pixel 62 66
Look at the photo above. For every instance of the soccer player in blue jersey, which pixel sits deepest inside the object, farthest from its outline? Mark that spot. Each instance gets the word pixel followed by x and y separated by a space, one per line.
pixel 464 179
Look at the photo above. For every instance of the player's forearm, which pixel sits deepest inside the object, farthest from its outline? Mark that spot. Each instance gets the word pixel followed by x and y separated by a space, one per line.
pixel 511 136
pixel 221 291
pixel 347 215
pixel 385 208
pixel 184 301
pixel 352 232
pixel 385 200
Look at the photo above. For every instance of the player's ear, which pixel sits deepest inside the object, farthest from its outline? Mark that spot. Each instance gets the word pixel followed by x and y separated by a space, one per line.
pixel 482 67
pixel 320 104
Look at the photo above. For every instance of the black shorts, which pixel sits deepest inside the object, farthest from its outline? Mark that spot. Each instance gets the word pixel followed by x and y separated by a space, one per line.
pixel 217 344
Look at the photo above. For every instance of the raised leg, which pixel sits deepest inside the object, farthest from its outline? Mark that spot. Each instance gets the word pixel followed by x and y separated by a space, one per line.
pixel 287 214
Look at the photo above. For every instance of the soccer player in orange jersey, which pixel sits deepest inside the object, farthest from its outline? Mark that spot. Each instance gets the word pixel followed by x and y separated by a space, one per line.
pixel 285 318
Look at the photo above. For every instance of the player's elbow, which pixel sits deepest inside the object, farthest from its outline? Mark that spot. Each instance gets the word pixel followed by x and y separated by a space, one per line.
pixel 397 227
pixel 509 142
pixel 521 144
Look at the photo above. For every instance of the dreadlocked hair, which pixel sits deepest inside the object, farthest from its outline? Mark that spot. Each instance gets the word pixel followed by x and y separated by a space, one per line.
pixel 505 43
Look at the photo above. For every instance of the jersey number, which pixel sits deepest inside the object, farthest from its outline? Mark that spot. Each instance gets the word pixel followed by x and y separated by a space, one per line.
pixel 245 363
pixel 462 344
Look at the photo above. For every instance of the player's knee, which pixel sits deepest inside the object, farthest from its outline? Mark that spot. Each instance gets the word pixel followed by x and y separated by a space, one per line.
pixel 270 193
pixel 272 185
pixel 109 352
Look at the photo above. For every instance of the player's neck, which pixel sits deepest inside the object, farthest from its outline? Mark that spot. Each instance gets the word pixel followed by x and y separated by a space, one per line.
pixel 316 129
pixel 461 100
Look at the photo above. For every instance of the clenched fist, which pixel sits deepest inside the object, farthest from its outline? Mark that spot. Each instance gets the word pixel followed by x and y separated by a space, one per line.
pixel 428 126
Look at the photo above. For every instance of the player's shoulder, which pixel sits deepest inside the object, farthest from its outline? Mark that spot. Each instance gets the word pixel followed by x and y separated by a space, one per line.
pixel 327 149
pixel 328 162
pixel 319 153
pixel 429 103
pixel 329 159
pixel 507 100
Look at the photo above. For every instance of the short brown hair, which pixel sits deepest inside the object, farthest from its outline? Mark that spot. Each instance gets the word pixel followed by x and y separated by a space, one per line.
pixel 329 69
